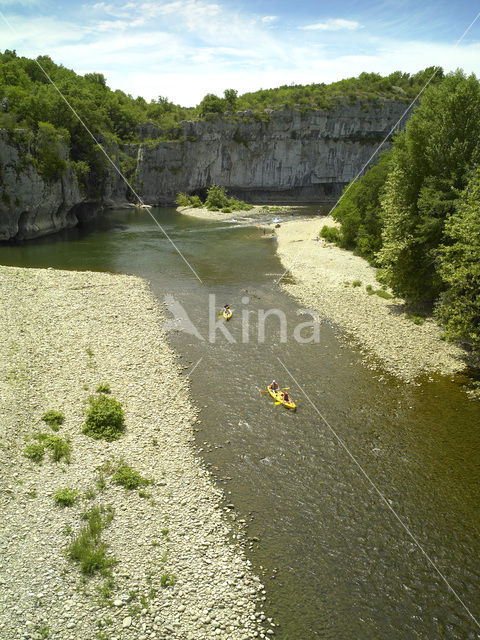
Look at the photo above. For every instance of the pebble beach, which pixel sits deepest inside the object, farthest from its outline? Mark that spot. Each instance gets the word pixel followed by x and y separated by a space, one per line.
pixel 323 277
pixel 179 569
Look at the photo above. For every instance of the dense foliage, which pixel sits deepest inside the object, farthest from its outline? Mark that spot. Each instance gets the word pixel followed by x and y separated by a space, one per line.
pixel 359 212
pixel 417 213
pixel 217 200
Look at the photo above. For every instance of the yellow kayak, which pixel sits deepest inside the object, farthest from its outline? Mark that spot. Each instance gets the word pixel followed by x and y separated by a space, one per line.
pixel 278 397
pixel 227 314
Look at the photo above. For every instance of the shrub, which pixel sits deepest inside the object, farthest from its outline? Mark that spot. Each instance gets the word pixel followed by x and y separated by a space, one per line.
pixel 370 289
pixel 59 447
pixel 216 197
pixel 35 452
pixel 196 203
pixel 105 418
pixel 226 210
pixel 182 200
pixel 357 283
pixel 331 234
pixel 65 497
pixel 103 387
pixel 127 477
pixel 54 419
pixel 87 548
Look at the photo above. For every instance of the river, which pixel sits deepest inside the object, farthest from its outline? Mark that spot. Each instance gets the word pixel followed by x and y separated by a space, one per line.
pixel 336 562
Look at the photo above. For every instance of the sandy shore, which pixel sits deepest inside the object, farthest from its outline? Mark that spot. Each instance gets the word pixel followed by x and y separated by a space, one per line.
pixel 380 326
pixel 238 216
pixel 61 334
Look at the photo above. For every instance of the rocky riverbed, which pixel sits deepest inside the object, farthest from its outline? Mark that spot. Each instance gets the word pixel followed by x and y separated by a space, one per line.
pixel 334 282
pixel 180 570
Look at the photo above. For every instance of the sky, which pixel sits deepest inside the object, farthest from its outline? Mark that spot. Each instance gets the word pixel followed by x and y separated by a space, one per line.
pixel 184 49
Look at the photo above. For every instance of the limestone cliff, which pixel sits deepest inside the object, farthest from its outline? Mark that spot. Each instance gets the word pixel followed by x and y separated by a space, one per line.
pixel 286 155
pixel 289 155
pixel 34 205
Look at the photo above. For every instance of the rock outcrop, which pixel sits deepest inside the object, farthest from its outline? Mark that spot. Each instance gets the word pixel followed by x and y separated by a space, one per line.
pixel 32 205
pixel 289 155
pixel 283 156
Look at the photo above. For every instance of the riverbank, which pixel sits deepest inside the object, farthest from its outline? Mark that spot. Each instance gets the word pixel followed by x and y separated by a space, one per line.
pixel 324 275
pixel 177 571
pixel 235 216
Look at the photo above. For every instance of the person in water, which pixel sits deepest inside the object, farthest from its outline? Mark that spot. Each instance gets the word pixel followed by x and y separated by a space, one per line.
pixel 274 386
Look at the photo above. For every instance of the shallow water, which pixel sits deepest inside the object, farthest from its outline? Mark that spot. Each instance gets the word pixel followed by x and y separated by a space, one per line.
pixel 344 567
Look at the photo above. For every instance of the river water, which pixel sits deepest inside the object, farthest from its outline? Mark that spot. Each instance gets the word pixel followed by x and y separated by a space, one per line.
pixel 336 562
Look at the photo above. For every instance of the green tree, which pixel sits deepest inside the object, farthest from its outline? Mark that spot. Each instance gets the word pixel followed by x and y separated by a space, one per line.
pixel 211 104
pixel 459 267
pixel 359 211
pixel 430 164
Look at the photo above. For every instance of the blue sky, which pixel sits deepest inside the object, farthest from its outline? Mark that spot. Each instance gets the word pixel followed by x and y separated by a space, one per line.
pixel 183 49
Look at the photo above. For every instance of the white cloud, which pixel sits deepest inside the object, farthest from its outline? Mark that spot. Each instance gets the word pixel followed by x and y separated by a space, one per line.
pixel 268 19
pixel 333 24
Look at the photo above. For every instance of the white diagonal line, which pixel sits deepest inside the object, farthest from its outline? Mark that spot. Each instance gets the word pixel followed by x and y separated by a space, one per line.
pixel 381 495
pixel 120 173
pixel 382 143
pixel 184 381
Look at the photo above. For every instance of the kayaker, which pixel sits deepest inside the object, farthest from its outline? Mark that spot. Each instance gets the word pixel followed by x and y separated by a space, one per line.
pixel 226 307
pixel 273 386
pixel 286 397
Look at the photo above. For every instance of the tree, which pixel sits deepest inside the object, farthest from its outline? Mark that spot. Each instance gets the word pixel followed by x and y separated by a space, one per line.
pixel 459 267
pixel 359 211
pixel 211 104
pixel 230 97
pixel 430 164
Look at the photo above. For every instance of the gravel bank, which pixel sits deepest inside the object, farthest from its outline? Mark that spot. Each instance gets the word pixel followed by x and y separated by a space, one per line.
pixel 320 271
pixel 235 216
pixel 61 334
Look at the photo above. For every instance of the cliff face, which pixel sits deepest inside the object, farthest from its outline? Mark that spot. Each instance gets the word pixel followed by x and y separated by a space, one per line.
pixel 292 156
pixel 31 205
pixel 284 156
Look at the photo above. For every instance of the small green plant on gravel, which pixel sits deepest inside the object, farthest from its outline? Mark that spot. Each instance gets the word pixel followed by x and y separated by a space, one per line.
pixel 357 283
pixel 35 452
pixel 67 531
pixel 53 418
pixel 65 497
pixel 89 494
pixel 105 418
pixel 144 494
pixel 43 630
pixel 167 579
pixel 87 548
pixel 164 532
pixel 416 318
pixel 370 290
pixel 60 449
pixel 381 293
pixel 103 387
pixel 128 477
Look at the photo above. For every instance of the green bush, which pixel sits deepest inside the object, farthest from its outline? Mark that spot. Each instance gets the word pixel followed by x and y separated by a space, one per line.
pixel 35 452
pixel 370 289
pixel 87 548
pixel 59 447
pixel 216 197
pixel 383 294
pixel 183 200
pixel 127 477
pixel 105 418
pixel 357 283
pixel 65 497
pixel 54 419
pixel 196 203
pixel 226 210
pixel 331 234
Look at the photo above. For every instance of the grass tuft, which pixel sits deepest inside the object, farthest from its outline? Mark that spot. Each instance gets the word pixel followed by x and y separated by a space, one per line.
pixel 53 418
pixel 87 548
pixel 65 497
pixel 128 477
